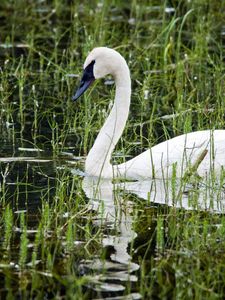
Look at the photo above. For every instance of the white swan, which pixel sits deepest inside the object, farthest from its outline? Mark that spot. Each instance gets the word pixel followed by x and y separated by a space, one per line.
pixel 161 161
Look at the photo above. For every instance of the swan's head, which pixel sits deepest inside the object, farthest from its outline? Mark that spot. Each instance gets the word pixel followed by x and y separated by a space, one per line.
pixel 100 62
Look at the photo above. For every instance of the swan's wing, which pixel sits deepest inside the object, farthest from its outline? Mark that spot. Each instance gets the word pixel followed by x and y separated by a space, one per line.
pixel 177 154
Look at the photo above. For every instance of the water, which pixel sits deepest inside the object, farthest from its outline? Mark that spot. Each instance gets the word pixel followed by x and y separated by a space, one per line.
pixel 30 180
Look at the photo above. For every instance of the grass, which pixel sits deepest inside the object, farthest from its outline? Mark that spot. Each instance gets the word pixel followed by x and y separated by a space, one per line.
pixel 53 244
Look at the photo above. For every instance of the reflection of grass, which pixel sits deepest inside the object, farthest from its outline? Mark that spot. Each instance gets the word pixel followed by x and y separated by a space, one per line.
pixel 176 62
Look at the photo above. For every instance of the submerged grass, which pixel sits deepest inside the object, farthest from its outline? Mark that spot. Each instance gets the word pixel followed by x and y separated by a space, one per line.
pixel 54 245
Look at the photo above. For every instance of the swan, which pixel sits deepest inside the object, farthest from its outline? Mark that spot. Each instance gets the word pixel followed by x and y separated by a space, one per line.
pixel 203 149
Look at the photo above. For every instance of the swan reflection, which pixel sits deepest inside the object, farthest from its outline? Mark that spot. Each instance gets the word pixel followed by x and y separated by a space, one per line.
pixel 107 200
pixel 207 195
pixel 103 198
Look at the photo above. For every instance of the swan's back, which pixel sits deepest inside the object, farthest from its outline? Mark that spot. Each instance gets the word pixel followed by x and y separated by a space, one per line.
pixel 177 154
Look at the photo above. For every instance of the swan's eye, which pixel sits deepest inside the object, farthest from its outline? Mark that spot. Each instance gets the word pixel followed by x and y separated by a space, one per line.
pixel 86 80
pixel 88 72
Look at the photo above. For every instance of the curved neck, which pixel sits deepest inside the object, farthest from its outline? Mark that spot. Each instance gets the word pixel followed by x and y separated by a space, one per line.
pixel 98 159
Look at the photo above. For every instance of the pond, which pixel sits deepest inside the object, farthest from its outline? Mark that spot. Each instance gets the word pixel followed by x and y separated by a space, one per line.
pixel 65 235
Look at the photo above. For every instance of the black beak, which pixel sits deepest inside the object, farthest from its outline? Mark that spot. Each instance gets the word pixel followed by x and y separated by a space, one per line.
pixel 86 81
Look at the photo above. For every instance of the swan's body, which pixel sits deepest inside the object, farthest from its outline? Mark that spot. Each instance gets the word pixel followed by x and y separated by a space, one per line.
pixel 159 161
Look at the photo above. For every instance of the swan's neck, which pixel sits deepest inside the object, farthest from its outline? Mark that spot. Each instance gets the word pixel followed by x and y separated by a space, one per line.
pixel 98 159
